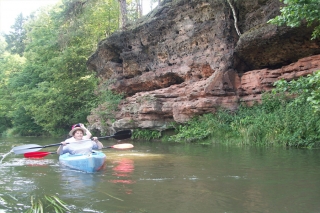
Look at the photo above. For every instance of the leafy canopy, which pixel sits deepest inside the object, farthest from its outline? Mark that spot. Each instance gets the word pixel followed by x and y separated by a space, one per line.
pixel 304 89
pixel 53 88
pixel 16 39
pixel 297 11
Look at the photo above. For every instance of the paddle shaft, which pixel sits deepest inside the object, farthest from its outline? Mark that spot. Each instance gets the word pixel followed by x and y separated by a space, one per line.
pixel 121 135
pixel 43 154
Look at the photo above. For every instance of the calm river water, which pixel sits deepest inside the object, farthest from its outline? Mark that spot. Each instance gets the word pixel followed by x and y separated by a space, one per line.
pixel 167 178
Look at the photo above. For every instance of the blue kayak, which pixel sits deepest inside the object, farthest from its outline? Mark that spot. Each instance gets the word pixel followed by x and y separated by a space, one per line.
pixel 87 163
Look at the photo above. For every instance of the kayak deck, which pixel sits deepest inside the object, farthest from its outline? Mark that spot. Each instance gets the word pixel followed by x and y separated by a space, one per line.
pixel 87 163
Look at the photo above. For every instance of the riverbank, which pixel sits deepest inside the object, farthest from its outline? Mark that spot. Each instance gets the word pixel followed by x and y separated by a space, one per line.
pixel 278 121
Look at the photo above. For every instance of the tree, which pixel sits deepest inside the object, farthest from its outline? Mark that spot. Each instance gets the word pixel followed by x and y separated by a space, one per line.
pixel 3 46
pixel 123 12
pixel 297 11
pixel 10 67
pixel 16 38
pixel 139 8
pixel 50 87
pixel 55 87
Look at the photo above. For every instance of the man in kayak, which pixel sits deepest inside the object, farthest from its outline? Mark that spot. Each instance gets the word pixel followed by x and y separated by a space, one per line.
pixel 80 142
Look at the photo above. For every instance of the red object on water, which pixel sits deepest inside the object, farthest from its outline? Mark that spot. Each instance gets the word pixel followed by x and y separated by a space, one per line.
pixel 36 154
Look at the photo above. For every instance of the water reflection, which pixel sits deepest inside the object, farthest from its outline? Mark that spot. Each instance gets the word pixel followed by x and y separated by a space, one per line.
pixel 162 178
pixel 76 180
pixel 122 172
pixel 79 181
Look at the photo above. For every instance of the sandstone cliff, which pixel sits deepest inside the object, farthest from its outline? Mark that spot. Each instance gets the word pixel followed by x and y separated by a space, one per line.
pixel 185 58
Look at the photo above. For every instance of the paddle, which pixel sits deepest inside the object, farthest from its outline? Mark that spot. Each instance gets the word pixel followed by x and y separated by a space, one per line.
pixel 121 135
pixel 37 154
pixel 43 154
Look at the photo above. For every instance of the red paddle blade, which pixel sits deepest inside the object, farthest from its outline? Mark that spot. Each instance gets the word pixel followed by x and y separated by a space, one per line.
pixel 122 146
pixel 36 154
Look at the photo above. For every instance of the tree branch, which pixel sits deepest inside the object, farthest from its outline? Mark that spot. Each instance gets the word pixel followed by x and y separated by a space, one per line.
pixel 235 18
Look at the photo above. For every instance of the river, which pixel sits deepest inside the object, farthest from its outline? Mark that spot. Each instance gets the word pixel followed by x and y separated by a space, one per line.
pixel 167 178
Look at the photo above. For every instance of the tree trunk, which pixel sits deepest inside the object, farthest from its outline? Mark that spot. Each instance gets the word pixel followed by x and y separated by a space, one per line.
pixel 123 14
pixel 139 8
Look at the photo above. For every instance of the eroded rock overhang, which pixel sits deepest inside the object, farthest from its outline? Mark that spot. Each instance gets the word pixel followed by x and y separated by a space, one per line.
pixel 186 59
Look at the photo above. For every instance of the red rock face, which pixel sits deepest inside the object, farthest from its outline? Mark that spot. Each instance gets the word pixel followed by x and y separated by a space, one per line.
pixel 253 83
pixel 187 60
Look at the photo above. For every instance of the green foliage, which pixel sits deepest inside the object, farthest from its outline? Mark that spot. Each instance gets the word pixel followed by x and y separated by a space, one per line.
pixel 3 45
pixel 17 38
pixel 285 124
pixel 278 121
pixel 24 124
pixel 54 86
pixel 202 127
pixel 146 134
pixel 108 105
pixel 107 10
pixel 50 88
pixel 305 89
pixel 9 68
pixel 197 128
pixel 107 96
pixel 47 204
pixel 297 11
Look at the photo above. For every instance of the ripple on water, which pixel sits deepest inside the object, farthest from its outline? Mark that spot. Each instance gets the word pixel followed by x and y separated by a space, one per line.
pixel 155 179
pixel 30 162
pixel 4 155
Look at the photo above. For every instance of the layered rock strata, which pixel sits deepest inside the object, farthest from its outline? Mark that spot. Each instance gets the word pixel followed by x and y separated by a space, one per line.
pixel 186 59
